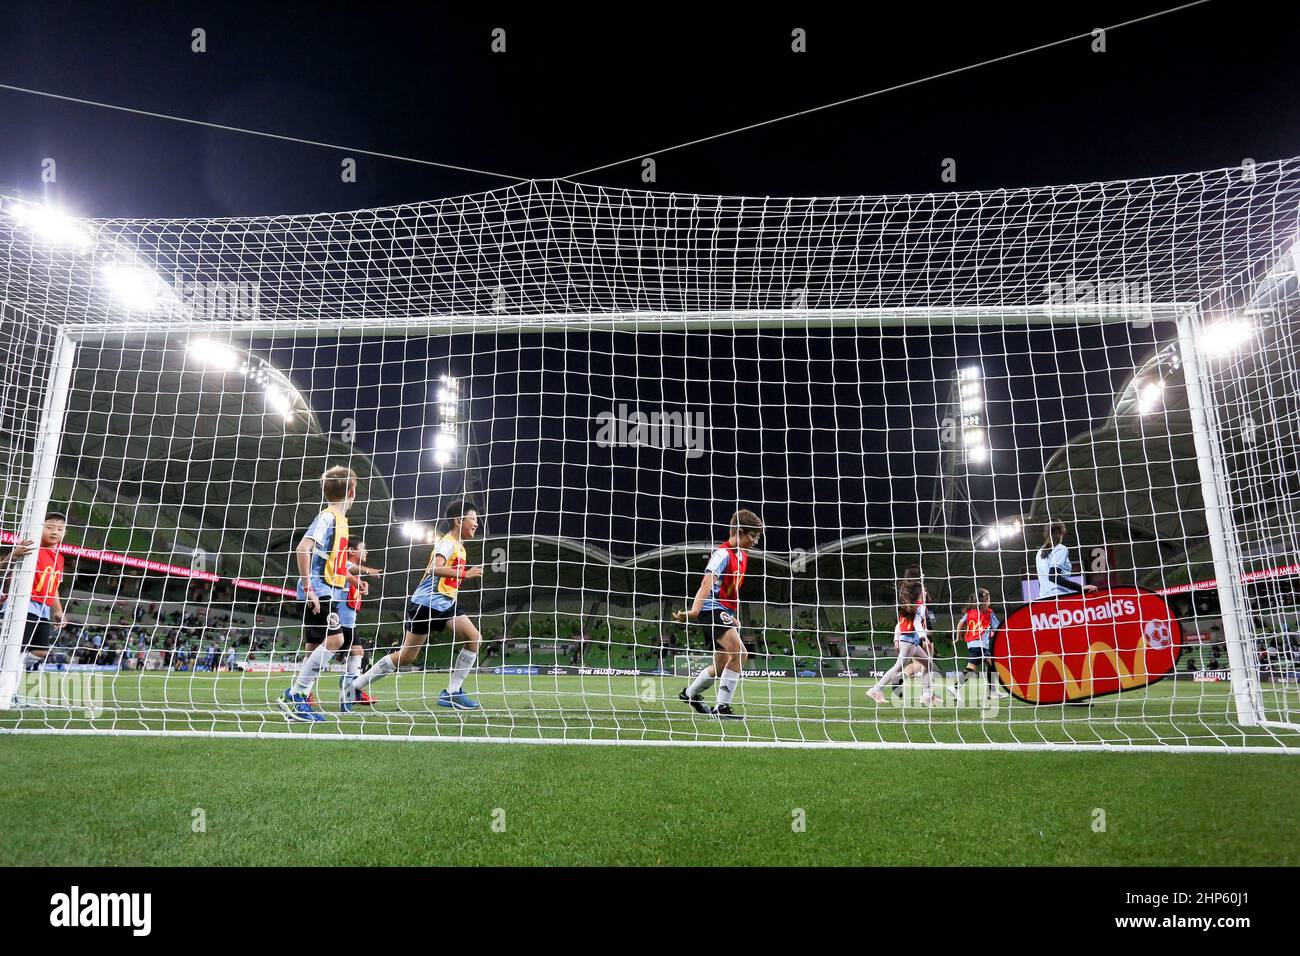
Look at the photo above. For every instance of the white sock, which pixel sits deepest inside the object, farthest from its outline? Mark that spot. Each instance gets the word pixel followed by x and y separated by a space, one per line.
pixel 316 662
pixel 379 668
pixel 703 681
pixel 354 665
pixel 31 662
pixel 464 661
pixel 727 685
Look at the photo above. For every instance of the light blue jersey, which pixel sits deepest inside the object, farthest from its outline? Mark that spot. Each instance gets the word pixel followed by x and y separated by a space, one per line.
pixel 322 532
pixel 432 591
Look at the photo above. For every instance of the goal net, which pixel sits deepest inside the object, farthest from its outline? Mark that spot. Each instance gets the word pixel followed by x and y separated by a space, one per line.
pixel 972 405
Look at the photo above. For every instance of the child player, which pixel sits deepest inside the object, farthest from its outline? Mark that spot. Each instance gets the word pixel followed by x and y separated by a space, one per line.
pixel 915 668
pixel 716 606
pixel 352 656
pixel 433 607
pixel 44 609
pixel 323 585
pixel 357 589
pixel 910 636
pixel 977 628
pixel 1053 563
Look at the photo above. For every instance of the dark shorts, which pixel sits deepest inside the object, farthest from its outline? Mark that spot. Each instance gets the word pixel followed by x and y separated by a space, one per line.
pixel 717 623
pixel 420 620
pixel 318 626
pixel 37 632
pixel 978 655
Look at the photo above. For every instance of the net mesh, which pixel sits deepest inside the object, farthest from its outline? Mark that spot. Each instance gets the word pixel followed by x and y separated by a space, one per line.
pixel 891 382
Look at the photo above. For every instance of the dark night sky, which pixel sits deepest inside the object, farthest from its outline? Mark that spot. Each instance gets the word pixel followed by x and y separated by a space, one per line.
pixel 1202 88
pixel 1197 89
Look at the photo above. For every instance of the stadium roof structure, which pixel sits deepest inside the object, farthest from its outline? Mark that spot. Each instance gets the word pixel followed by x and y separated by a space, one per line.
pixel 241 455
pixel 858 573
pixel 251 470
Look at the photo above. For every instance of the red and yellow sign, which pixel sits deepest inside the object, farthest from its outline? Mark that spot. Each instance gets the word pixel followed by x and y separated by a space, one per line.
pixel 1073 648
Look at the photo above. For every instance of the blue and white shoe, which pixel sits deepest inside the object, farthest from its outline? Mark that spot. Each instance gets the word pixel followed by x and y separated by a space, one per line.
pixel 347 696
pixel 459 699
pixel 296 707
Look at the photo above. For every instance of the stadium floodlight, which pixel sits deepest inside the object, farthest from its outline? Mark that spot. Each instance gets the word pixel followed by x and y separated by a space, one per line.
pixel 444 445
pixel 970 372
pixel 1225 336
pixel 1149 396
pixel 279 402
pixel 448 411
pixel 972 405
pixel 136 287
pixel 994 534
pixel 971 389
pixel 51 225
pixel 218 355
pixel 972 436
pixel 979 454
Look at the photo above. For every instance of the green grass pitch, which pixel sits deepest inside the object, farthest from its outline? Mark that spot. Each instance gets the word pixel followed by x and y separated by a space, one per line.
pixel 86 800
pixel 136 800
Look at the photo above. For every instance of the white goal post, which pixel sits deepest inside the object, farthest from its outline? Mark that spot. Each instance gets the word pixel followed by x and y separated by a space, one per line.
pixel 891 382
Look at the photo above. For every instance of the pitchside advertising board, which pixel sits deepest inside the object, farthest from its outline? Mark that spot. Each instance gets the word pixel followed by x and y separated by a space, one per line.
pixel 1075 648
pixel 529 670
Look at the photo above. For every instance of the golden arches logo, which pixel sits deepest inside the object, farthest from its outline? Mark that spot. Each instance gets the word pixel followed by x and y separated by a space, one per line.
pixel 1082 686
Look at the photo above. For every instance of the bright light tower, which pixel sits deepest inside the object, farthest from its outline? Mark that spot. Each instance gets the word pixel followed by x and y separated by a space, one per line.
pixel 993 536
pixel 134 287
pixel 1150 395
pixel 447 439
pixel 1225 336
pixel 220 358
pixel 50 225
pixel 216 355
pixel 452 444
pixel 964 447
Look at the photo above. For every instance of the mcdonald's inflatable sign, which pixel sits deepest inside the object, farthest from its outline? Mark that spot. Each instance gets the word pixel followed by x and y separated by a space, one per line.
pixel 1073 648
